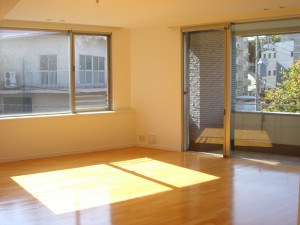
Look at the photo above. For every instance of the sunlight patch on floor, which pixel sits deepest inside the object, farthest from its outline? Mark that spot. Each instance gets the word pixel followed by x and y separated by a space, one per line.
pixel 268 162
pixel 164 172
pixel 74 189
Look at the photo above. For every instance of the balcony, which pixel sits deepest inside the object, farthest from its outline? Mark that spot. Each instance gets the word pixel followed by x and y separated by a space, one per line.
pixel 46 82
pixel 56 82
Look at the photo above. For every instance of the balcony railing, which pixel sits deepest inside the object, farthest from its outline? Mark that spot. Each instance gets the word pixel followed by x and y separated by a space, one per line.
pixel 56 81
pixel 47 80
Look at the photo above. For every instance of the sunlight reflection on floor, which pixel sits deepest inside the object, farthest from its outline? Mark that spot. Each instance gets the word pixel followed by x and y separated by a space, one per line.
pixel 74 189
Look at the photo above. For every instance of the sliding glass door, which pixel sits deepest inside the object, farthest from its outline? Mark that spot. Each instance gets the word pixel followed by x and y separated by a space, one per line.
pixel 204 90
pixel 266 88
pixel 242 88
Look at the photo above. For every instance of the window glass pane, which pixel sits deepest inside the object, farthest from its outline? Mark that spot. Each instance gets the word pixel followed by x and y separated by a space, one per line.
pixel 52 62
pixel 92 94
pixel 97 77
pixel 82 62
pixel 266 104
pixel 82 77
pixel 101 63
pixel 204 87
pixel 31 79
pixel 102 77
pixel 88 62
pixel 260 91
pixel 89 78
pixel 95 63
pixel 44 62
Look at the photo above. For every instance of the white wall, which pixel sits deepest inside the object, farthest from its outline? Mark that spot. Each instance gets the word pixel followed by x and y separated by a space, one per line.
pixel 156 86
pixel 6 6
pixel 23 138
pixel 146 77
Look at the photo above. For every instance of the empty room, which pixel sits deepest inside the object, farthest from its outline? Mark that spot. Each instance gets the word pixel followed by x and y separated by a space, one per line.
pixel 127 112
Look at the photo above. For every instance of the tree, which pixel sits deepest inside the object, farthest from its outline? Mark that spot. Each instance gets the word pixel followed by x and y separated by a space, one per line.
pixel 286 97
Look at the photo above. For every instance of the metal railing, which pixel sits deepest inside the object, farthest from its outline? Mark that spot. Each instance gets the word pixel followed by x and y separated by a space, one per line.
pixel 53 82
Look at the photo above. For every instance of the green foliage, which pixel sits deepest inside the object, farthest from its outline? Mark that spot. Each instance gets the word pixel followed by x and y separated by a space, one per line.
pixel 275 38
pixel 286 97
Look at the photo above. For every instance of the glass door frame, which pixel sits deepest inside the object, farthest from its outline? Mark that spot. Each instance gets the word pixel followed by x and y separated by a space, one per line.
pixel 226 27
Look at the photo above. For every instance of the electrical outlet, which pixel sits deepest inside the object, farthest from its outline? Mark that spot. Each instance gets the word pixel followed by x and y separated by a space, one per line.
pixel 142 138
pixel 152 139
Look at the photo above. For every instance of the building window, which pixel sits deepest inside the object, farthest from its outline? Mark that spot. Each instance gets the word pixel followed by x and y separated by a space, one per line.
pixel 269 55
pixel 85 69
pixel 92 69
pixel 265 55
pixel 269 72
pixel 48 68
pixel 274 55
pixel 292 53
pixel 274 72
pixel 99 69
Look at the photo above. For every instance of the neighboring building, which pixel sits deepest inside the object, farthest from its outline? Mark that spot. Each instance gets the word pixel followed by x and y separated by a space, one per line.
pixel 243 82
pixel 275 58
pixel 296 39
pixel 242 66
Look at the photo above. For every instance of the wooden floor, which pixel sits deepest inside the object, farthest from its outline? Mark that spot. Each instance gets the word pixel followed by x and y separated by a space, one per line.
pixel 138 186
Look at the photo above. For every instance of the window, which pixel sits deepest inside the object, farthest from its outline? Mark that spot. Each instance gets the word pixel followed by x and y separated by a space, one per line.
pixel 274 110
pixel 273 94
pixel 91 88
pixel 35 73
pixel 41 84
pixel 91 69
pixel 85 67
pixel 99 69
pixel 48 67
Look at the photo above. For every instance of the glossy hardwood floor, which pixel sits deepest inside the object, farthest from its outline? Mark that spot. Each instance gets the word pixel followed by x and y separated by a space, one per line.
pixel 137 186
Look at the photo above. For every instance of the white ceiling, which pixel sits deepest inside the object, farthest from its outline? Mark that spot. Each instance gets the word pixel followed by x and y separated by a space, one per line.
pixel 141 13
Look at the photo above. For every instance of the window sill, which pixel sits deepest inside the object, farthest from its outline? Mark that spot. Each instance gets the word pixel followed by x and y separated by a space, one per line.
pixel 110 112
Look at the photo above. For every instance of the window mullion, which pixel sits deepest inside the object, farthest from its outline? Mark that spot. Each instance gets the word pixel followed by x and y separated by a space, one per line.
pixel 72 74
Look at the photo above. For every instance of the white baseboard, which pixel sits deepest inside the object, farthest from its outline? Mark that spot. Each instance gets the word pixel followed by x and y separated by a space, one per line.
pixel 77 151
